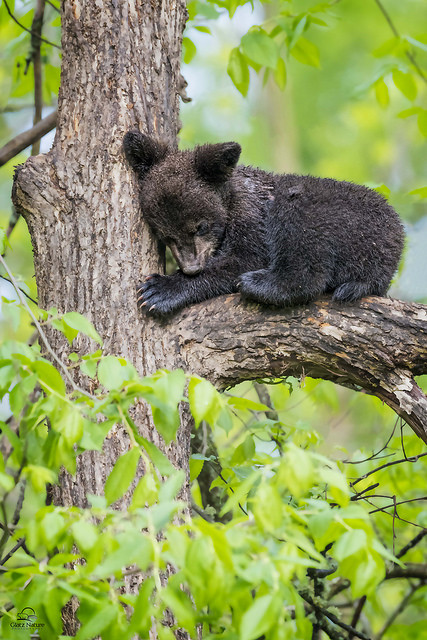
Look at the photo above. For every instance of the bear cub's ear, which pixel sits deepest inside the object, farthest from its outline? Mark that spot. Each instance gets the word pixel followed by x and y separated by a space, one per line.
pixel 142 152
pixel 215 162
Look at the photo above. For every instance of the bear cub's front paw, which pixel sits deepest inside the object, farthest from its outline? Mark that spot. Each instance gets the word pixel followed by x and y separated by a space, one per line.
pixel 156 294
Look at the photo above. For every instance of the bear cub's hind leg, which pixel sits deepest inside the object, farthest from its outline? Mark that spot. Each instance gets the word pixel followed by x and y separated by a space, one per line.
pixel 282 289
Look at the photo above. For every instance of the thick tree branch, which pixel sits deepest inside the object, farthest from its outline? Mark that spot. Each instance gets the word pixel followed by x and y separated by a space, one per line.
pixel 410 570
pixel 23 140
pixel 376 345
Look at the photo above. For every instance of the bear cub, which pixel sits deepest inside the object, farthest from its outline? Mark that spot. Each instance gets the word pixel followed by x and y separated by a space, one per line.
pixel 277 239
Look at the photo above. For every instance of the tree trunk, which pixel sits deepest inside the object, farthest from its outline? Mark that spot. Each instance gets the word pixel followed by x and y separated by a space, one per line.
pixel 120 69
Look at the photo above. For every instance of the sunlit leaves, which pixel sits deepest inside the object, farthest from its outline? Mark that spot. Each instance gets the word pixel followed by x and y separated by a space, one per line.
pixel 381 92
pixel 280 74
pixel 306 52
pixel 238 71
pixel 122 475
pixel 260 617
pixel 405 83
pixel 189 50
pixel 205 402
pixel 260 48
pixel 112 372
pixel 81 324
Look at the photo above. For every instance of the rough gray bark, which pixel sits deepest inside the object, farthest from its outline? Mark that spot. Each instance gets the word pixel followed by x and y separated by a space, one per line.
pixel 376 345
pixel 120 69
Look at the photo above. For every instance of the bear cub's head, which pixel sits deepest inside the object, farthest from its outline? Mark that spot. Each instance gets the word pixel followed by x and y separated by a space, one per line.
pixel 185 195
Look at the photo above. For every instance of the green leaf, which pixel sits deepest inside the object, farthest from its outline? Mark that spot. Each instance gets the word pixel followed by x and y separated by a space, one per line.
pixel 297 33
pixel 170 488
pixel 422 122
pixel 383 189
pixel 85 534
pixel 205 403
pixel 259 47
pixel 69 424
pixel 203 29
pixel 64 328
pixel 134 547
pixel 387 48
pixel 196 467
pixel 306 52
pixel 189 50
pixel 381 93
pixel 19 396
pixel 39 476
pixel 181 606
pixel 111 373
pixel 7 375
pixel 297 470
pixel 349 543
pixel 49 377
pixel 405 83
pixel 280 74
pixel 121 475
pixel 421 191
pixel 146 492
pixel 79 323
pixel 167 392
pixel 6 482
pixel 245 403
pixel 97 622
pixel 238 71
pixel 258 619
pixel 240 493
pixel 416 43
pixel 337 486
pixel 412 111
pixel 88 367
pixel 94 434
pixel 4 241
pixel 158 458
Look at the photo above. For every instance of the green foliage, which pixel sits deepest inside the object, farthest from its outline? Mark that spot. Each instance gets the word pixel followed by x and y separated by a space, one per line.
pixel 291 513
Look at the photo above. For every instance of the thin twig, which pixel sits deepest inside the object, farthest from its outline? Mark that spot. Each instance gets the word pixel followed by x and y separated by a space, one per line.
pixel 374 455
pixel 42 334
pixel 25 294
pixel 394 522
pixel 403 604
pixel 410 570
pixel 20 501
pixel 408 54
pixel 52 44
pixel 333 618
pixel 411 544
pixel 53 6
pixel 357 613
pixel 387 464
pixel 396 504
pixel 264 397
pixel 19 544
pixel 23 140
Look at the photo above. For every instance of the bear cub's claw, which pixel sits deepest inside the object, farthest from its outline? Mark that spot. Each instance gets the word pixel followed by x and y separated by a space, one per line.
pixel 156 295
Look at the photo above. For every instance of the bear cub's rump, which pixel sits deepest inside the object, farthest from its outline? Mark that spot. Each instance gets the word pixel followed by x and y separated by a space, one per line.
pixel 278 239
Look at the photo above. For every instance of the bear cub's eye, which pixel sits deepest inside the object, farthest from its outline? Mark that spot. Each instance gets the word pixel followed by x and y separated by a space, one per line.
pixel 203 229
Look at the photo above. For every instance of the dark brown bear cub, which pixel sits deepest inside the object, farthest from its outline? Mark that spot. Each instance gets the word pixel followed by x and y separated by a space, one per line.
pixel 278 239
